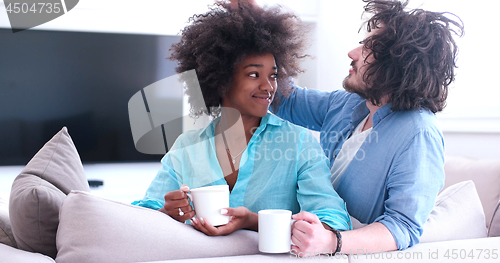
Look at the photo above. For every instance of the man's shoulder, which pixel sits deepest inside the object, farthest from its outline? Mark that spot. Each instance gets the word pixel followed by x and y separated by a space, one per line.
pixel 417 120
pixel 333 96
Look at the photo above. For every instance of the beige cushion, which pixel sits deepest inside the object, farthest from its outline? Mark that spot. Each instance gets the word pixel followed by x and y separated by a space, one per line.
pixel 6 236
pixel 93 229
pixel 494 230
pixel 484 173
pixel 38 191
pixel 13 255
pixel 458 214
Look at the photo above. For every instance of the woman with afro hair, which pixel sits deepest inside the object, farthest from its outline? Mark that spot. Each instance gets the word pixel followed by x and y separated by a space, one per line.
pixel 241 57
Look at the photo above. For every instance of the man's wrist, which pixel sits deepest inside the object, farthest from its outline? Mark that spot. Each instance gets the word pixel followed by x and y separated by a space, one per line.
pixel 337 237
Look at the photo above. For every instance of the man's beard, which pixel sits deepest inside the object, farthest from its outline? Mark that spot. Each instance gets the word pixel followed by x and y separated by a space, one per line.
pixel 361 91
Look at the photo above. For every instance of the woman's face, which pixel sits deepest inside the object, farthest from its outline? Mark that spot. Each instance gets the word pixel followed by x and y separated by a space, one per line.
pixel 253 86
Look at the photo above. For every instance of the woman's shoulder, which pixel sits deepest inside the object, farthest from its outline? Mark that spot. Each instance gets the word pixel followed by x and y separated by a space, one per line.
pixel 288 128
pixel 194 136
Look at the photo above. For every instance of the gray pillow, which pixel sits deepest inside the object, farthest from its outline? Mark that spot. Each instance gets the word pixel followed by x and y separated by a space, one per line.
pixel 94 229
pixel 37 193
pixel 58 163
pixel 34 213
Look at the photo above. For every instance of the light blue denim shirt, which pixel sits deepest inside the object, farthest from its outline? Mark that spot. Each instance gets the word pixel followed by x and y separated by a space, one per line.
pixel 398 170
pixel 283 167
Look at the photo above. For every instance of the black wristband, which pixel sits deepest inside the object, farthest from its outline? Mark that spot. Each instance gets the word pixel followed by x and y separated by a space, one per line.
pixel 339 241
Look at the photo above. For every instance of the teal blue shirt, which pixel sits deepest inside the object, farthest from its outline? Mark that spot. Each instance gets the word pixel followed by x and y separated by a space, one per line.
pixel 283 167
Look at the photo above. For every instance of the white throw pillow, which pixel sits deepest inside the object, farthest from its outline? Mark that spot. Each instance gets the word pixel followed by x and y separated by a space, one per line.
pixel 458 214
pixel 94 229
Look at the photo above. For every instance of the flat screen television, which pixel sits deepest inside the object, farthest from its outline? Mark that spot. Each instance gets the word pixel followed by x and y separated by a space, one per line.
pixel 81 80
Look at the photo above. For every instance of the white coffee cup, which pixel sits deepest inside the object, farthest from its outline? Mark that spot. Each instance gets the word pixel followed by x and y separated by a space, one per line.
pixel 275 231
pixel 208 202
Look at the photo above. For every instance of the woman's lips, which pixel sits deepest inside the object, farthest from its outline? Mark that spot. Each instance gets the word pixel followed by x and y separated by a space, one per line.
pixel 264 99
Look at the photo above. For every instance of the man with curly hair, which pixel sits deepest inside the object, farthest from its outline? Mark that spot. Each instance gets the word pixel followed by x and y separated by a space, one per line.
pixel 386 151
pixel 241 57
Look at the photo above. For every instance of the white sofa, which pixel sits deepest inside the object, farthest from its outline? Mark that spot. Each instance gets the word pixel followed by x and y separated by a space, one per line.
pixel 51 194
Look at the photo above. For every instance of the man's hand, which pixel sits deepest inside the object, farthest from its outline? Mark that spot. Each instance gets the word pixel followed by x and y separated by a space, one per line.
pixel 234 3
pixel 177 205
pixel 240 218
pixel 310 236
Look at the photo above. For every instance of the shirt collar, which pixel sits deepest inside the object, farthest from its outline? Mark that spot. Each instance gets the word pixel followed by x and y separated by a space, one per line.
pixel 361 110
pixel 269 119
pixel 381 113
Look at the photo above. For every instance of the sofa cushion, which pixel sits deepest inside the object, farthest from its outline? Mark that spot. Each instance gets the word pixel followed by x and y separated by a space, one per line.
pixel 34 215
pixel 267 258
pixel 494 230
pixel 94 229
pixel 38 191
pixel 484 173
pixel 6 236
pixel 457 214
pixel 11 255
pixel 58 163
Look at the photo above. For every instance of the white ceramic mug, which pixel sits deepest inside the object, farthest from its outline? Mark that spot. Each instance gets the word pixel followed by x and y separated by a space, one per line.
pixel 275 231
pixel 208 202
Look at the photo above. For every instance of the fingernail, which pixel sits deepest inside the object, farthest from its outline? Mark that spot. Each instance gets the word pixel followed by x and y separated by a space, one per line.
pixel 194 220
pixel 223 211
pixel 185 188
pixel 202 221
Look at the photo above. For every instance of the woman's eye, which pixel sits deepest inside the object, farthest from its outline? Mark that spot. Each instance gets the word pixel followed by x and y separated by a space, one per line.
pixel 274 76
pixel 254 75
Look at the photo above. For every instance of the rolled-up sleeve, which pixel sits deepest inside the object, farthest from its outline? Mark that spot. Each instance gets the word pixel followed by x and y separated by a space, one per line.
pixel 412 186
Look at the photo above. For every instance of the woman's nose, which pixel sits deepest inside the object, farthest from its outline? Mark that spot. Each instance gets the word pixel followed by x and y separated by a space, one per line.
pixel 268 85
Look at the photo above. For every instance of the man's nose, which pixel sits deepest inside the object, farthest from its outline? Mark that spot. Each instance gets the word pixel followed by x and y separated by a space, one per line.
pixel 355 53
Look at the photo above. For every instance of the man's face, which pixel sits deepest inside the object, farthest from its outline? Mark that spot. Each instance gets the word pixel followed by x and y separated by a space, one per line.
pixel 354 82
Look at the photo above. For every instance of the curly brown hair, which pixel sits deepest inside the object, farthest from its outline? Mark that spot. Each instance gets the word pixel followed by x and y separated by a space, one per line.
pixel 214 42
pixel 414 55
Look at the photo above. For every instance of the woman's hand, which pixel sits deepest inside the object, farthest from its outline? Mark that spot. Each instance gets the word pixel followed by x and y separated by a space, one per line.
pixel 310 236
pixel 177 202
pixel 240 218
